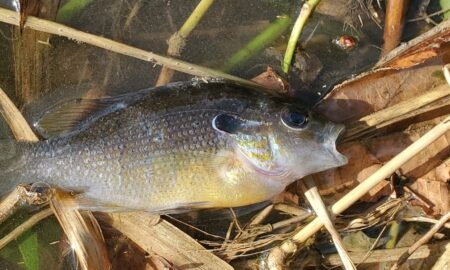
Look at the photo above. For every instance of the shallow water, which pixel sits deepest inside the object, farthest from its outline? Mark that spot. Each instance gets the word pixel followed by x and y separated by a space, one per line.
pixel 44 70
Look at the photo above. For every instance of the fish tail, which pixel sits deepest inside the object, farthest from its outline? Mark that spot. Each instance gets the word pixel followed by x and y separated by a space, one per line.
pixel 9 159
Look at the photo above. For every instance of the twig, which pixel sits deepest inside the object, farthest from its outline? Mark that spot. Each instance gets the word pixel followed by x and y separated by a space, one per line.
pixel 11 203
pixel 421 241
pixel 305 12
pixel 393 25
pixel 315 200
pixel 292 210
pixel 384 255
pixel 178 40
pixel 259 218
pixel 364 187
pixel 425 219
pixel 429 15
pixel 19 230
pixel 12 17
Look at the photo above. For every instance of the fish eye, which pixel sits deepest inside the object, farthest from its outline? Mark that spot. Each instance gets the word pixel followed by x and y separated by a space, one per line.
pixel 294 118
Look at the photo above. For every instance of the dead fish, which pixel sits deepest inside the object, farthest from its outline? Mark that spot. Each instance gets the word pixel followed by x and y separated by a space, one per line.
pixel 184 146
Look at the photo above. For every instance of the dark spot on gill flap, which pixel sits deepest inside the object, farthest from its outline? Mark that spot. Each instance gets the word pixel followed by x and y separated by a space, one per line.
pixel 233 124
pixel 78 114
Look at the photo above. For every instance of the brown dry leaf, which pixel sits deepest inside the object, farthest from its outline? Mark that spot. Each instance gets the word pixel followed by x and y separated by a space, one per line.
pixel 434 192
pixel 376 90
pixel 272 81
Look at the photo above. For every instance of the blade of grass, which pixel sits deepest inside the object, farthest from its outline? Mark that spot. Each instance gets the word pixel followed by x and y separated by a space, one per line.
pixel 29 249
pixel 261 41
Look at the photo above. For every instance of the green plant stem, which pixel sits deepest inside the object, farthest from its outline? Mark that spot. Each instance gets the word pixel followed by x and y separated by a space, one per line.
pixel 195 17
pixel 178 40
pixel 445 5
pixel 265 38
pixel 305 12
pixel 393 233
pixel 69 9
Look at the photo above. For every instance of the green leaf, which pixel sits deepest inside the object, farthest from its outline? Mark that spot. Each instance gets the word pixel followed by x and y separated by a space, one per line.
pixel 28 247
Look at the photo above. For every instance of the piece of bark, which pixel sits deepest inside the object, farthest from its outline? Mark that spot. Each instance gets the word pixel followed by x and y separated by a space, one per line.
pixel 164 239
pixel 418 50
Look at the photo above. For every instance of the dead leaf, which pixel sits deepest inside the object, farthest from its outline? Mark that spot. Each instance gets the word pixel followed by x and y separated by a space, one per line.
pixel 271 80
pixel 435 192
pixel 374 91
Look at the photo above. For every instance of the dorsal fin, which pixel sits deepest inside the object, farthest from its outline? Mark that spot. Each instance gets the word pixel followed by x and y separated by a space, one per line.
pixel 78 114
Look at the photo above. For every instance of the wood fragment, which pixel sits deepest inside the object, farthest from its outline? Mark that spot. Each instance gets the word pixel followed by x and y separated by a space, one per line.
pixel 165 240
pixel 11 203
pixel 419 49
pixel 83 232
pixel 18 125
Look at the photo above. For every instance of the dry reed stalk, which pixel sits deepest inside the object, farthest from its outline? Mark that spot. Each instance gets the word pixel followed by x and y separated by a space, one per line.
pixel 164 239
pixel 82 230
pixel 315 200
pixel 398 112
pixel 11 17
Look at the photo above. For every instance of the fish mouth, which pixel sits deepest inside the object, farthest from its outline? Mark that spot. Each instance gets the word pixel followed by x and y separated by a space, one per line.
pixel 340 131
pixel 337 133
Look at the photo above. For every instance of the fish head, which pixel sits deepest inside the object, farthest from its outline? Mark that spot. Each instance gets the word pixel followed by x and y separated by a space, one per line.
pixel 283 142
pixel 304 143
